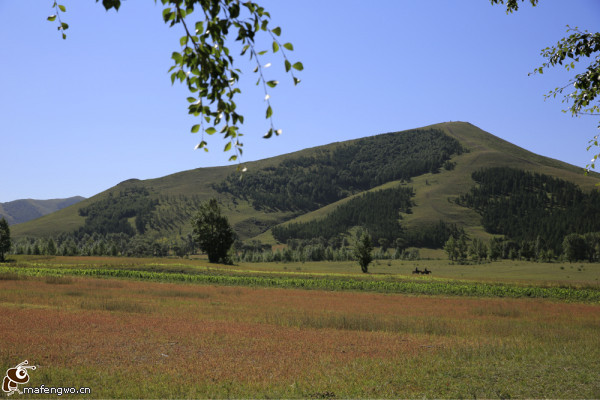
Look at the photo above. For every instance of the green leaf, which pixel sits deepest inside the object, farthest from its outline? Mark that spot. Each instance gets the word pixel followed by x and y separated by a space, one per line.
pixel 211 130
pixel 227 146
pixel 233 158
pixel 288 66
pixel 260 53
pixel 276 31
pixel 296 81
pixel 195 128
pixel 269 112
pixel 298 66
pixel 289 46
pixel 191 99
pixel 62 8
pixel 177 57
pixel 183 41
pixel 275 47
pixel 272 83
pixel 52 18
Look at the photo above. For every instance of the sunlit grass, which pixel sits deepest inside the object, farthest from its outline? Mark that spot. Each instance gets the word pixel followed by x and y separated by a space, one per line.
pixel 128 339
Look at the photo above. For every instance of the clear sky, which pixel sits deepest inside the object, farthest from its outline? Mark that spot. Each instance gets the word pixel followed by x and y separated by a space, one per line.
pixel 78 116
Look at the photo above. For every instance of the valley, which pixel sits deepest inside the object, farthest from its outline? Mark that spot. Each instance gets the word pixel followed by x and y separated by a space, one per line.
pixel 112 293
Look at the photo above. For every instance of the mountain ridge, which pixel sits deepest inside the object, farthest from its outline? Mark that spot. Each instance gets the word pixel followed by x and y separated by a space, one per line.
pixel 23 210
pixel 177 194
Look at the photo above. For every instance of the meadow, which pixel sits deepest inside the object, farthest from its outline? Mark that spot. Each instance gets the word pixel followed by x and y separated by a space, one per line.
pixel 135 328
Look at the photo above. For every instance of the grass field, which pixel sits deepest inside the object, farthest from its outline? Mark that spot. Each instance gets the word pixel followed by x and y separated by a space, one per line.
pixel 128 338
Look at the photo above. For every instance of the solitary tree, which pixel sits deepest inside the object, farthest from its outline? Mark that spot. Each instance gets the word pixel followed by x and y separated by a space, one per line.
pixel 4 238
pixel 212 231
pixel 362 251
pixel 462 247
pixel 451 248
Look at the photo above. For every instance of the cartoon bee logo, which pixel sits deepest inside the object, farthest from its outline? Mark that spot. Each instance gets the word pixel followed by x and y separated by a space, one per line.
pixel 16 376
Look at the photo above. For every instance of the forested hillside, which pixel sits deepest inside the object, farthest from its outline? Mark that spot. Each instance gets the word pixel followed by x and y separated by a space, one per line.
pixel 382 221
pixel 309 182
pixel 408 189
pixel 524 205
pixel 380 213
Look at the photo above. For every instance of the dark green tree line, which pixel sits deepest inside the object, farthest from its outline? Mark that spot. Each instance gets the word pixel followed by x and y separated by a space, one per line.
pixel 523 205
pixel 309 182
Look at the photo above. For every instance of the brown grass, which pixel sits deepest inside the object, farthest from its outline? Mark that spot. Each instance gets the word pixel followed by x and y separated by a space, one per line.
pixel 260 341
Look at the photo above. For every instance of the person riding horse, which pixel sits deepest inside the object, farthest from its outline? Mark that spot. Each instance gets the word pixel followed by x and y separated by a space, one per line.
pixel 424 272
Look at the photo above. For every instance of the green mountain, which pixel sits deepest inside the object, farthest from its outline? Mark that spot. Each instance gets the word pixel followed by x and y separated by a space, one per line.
pixel 19 211
pixel 322 191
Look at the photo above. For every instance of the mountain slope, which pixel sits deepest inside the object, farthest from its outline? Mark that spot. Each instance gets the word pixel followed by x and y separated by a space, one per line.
pixel 309 184
pixel 19 211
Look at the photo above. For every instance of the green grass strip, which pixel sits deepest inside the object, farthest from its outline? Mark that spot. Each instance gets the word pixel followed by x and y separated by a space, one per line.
pixel 446 288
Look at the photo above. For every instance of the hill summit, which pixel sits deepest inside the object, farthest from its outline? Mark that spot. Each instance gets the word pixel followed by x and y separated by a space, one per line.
pixel 405 186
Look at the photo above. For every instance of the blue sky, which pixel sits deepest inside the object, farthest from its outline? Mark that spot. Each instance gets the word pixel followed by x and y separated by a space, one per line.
pixel 78 116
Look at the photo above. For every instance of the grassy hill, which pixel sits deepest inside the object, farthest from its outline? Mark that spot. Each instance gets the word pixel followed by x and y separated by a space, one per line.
pixel 19 211
pixel 324 178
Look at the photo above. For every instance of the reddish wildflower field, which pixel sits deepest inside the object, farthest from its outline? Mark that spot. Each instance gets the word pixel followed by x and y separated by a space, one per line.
pixel 128 339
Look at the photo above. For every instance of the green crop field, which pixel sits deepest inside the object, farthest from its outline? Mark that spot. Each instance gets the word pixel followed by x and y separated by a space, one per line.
pixel 173 328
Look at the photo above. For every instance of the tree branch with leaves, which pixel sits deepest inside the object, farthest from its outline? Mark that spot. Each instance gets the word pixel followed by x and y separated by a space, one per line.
pixel 581 92
pixel 205 63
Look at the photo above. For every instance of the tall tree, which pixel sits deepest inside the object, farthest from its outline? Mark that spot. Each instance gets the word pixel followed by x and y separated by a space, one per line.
pixel 362 251
pixel 451 248
pixel 5 241
pixel 51 247
pixel 212 231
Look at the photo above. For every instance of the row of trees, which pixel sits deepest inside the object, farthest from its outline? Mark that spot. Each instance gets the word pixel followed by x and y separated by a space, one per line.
pixel 575 247
pixel 318 252
pixel 112 244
